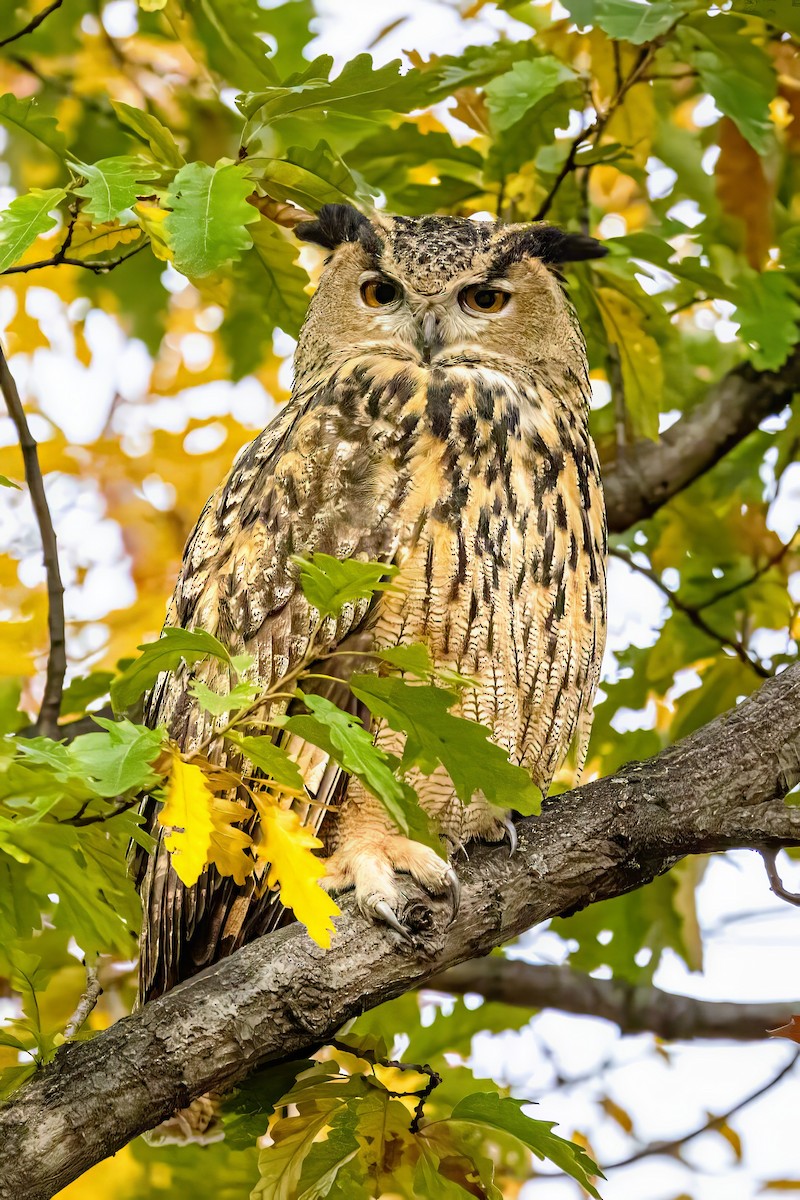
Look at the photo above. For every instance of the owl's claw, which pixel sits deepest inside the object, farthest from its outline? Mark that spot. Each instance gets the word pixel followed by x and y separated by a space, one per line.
pixel 453 891
pixel 511 833
pixel 383 910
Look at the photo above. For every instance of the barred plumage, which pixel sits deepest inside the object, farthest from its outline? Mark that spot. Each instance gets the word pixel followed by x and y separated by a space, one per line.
pixel 453 443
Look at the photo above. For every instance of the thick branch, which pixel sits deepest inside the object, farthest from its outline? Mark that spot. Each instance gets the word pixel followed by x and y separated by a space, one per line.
pixel 57 659
pixel 650 473
pixel 635 1009
pixel 280 996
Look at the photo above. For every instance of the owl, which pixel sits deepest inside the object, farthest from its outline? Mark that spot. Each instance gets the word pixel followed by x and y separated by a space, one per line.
pixel 438 422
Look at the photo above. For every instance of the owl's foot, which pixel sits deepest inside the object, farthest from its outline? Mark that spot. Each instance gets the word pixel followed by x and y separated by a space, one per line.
pixel 379 870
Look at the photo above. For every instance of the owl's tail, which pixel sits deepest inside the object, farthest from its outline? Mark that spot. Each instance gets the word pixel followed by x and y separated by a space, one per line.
pixel 200 1124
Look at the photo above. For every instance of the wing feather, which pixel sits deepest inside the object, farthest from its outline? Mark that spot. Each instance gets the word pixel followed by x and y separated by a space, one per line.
pixel 317 480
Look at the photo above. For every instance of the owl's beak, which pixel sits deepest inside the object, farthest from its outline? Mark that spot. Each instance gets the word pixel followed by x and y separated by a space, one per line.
pixel 430 335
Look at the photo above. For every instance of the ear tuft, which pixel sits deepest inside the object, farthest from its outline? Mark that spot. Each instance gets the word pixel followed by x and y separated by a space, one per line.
pixel 551 245
pixel 576 247
pixel 335 223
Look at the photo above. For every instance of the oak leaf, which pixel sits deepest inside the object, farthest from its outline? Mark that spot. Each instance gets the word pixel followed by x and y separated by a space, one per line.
pixel 287 845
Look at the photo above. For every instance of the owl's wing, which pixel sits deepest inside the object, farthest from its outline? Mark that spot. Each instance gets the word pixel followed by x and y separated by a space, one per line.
pixel 310 483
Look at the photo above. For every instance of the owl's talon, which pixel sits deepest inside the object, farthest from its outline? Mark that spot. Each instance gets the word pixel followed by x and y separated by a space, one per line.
pixel 383 910
pixel 453 891
pixel 511 831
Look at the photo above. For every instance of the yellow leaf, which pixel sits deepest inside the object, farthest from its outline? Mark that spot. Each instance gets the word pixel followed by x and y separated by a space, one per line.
pixel 633 123
pixel 731 1137
pixel 639 356
pixel 228 844
pixel 88 240
pixel 152 218
pixel 187 812
pixel 152 5
pixel 287 845
pixel 202 826
pixel 617 1113
pixel 396 1080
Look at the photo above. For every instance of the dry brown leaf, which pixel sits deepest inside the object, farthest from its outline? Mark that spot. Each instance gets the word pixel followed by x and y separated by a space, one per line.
pixel 791 1030
pixel 744 192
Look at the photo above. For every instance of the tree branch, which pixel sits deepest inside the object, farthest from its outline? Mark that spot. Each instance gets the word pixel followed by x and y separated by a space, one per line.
pixel 279 997
pixel 60 258
pixel 692 614
pixel 676 1144
pixel 33 24
pixel 652 472
pixel 47 722
pixel 634 1008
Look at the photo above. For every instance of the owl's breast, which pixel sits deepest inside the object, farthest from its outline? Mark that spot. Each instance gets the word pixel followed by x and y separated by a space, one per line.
pixel 502 560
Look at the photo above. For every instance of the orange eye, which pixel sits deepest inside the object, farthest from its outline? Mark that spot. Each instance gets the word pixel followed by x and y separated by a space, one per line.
pixel 482 299
pixel 377 293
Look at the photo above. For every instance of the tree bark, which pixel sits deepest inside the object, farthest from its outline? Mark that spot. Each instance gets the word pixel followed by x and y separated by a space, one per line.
pixel 279 997
pixel 651 472
pixel 634 1008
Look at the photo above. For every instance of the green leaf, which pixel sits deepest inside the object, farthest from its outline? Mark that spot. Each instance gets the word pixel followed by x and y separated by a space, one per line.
pixel 320 1103
pixel 246 1110
pixel 229 31
pixel 173 647
pixel 207 225
pixel 327 1158
pixel 11 719
pixel 309 178
pixel 329 584
pixel 628 20
pixel 118 760
pixel 511 96
pixel 488 1109
pixel 112 185
pixel 342 735
pixel 216 704
pixel 269 758
pixel 9 483
pixel 26 115
pixel 150 130
pixel 429 1181
pixel 768 312
pixel 268 293
pixel 648 919
pixel 475 66
pixel 415 659
pixel 734 70
pixel 83 690
pixel 357 89
pixel 434 736
pixel 24 220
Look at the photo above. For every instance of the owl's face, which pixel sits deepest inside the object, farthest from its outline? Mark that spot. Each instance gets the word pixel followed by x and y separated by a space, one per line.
pixel 439 289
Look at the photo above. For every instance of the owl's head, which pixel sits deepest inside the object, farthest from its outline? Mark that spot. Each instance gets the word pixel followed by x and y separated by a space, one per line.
pixel 434 288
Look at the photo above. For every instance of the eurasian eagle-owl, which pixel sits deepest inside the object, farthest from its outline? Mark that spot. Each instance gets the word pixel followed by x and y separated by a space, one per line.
pixel 438 421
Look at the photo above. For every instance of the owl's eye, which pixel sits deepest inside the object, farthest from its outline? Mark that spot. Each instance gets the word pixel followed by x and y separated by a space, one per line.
pixel 482 299
pixel 377 293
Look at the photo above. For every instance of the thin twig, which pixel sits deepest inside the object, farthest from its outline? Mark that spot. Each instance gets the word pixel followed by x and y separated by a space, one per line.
pixel 80 820
pixel 47 722
pixel 59 259
pixel 771 562
pixel 87 1002
pixel 775 882
pixel 713 1123
pixel 692 614
pixel 595 130
pixel 34 23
